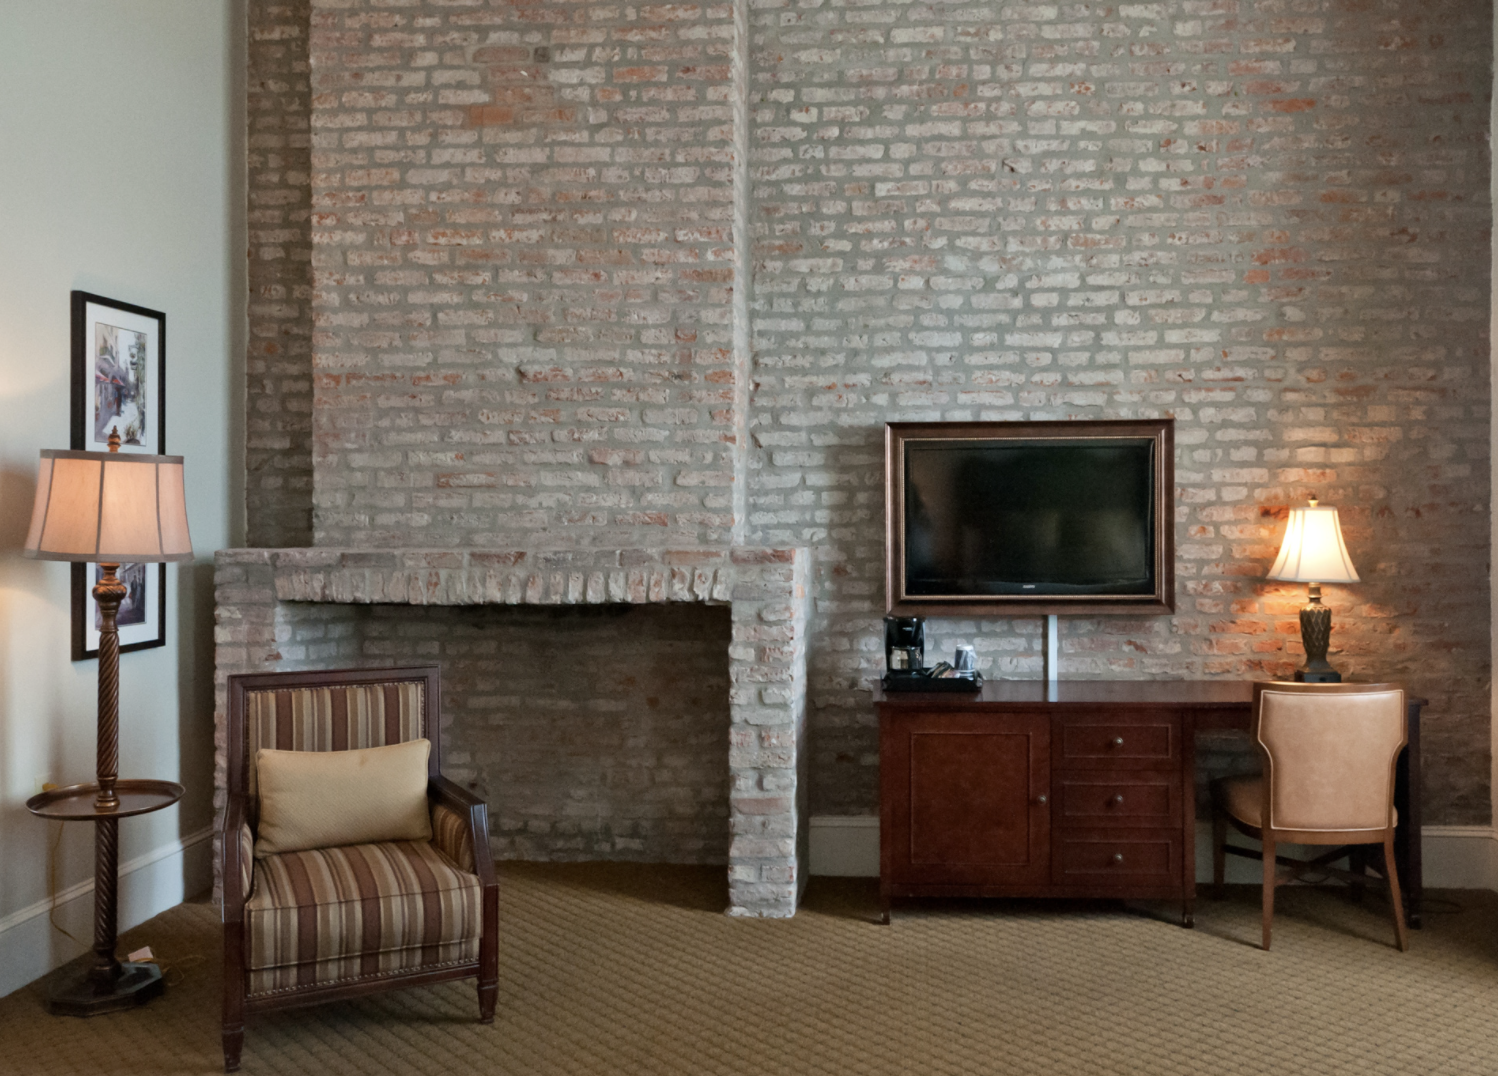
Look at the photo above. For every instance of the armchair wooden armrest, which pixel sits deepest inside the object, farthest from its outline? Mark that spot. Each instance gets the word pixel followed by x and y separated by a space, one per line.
pixel 235 892
pixel 466 844
pixel 463 836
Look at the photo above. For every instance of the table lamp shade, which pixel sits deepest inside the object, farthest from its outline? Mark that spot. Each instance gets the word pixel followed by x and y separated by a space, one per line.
pixel 108 507
pixel 1313 550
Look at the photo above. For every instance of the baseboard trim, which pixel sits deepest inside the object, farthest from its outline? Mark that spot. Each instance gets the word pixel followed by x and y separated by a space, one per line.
pixel 1455 857
pixel 843 845
pixel 149 884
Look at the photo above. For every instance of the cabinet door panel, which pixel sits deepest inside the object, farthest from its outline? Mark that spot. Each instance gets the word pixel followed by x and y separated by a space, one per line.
pixel 971 809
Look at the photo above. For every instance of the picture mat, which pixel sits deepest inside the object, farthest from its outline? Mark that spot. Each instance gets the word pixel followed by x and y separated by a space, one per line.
pixel 100 321
pixel 145 628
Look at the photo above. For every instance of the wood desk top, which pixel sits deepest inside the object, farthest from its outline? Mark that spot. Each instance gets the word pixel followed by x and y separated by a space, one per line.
pixel 1197 694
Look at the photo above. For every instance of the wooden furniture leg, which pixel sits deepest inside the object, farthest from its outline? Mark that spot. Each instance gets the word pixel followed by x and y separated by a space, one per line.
pixel 1401 938
pixel 1219 853
pixel 1407 801
pixel 234 990
pixel 1270 870
pixel 233 1047
pixel 488 986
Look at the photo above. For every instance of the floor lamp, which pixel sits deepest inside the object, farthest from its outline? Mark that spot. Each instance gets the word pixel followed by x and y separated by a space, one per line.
pixel 108 508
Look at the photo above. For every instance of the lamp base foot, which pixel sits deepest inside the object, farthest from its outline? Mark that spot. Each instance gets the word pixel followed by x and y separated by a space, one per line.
pixel 74 995
pixel 1317 676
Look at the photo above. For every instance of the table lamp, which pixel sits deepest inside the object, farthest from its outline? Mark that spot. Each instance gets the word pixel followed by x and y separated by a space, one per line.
pixel 107 508
pixel 1313 552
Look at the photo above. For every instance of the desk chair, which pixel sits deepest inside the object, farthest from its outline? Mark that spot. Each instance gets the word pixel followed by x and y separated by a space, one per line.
pixel 1328 752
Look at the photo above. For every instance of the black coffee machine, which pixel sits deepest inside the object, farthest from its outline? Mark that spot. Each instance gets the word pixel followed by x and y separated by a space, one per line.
pixel 904 644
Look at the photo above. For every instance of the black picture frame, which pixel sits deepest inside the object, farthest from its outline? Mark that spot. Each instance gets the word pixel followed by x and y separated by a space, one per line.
pixel 85 643
pixel 128 344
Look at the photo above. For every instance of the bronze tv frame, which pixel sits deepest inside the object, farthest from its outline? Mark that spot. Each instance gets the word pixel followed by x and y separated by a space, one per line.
pixel 897 434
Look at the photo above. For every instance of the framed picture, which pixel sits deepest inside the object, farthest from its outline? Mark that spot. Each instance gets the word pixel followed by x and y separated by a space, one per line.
pixel 119 375
pixel 119 383
pixel 142 615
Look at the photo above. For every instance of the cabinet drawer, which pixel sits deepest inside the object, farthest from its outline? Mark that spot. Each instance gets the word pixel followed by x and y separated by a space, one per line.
pixel 1105 799
pixel 1119 741
pixel 1096 856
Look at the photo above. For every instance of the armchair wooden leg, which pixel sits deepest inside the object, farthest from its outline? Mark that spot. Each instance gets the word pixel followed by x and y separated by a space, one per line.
pixel 234 991
pixel 233 1046
pixel 1219 854
pixel 488 993
pixel 1401 937
pixel 1269 877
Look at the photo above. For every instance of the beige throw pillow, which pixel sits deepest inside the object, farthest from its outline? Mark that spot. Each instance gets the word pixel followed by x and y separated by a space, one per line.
pixel 320 799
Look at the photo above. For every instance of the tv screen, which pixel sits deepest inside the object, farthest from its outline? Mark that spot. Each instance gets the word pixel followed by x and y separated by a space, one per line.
pixel 1038 518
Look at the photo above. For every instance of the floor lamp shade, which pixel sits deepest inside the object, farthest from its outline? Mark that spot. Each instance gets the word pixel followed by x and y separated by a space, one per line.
pixel 1313 552
pixel 108 507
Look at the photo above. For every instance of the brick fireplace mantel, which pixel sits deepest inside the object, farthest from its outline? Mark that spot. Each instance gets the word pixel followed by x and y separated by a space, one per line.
pixel 765 590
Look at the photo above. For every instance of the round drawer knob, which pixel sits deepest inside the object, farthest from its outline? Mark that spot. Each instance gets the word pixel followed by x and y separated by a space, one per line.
pixel 1118 857
pixel 1040 799
pixel 1118 798
pixel 1118 741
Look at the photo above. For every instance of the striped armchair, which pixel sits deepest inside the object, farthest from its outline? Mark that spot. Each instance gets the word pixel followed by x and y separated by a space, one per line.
pixel 327 923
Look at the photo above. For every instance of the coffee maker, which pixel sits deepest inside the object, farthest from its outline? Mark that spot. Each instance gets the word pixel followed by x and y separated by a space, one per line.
pixel 904 644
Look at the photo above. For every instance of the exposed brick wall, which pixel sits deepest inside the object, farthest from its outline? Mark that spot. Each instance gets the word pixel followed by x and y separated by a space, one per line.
pixel 278 449
pixel 592 732
pixel 1269 220
pixel 524 266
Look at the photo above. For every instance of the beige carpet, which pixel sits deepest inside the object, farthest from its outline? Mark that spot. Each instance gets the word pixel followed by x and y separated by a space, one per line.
pixel 609 968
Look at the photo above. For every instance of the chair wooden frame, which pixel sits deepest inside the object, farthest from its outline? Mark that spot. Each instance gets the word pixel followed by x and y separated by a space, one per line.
pixel 1347 843
pixel 440 790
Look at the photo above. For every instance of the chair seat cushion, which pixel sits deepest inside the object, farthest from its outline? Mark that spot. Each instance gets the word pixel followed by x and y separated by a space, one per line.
pixel 363 900
pixel 1243 799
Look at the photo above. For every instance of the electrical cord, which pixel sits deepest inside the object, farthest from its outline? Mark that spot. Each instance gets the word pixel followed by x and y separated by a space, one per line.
pixel 171 972
pixel 52 888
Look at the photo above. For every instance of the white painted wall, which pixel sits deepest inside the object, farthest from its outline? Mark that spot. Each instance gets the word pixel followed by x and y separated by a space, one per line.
pixel 121 173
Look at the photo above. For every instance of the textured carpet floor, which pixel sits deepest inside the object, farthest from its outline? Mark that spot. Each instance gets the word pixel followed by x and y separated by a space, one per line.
pixel 608 968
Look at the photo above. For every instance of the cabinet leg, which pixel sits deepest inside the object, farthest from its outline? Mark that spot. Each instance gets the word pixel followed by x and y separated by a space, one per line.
pixel 884 906
pixel 1188 914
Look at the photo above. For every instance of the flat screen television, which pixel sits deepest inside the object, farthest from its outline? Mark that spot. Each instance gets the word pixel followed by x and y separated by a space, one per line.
pixel 1014 518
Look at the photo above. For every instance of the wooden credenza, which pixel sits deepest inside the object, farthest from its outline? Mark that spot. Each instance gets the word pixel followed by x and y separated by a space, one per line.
pixel 1085 789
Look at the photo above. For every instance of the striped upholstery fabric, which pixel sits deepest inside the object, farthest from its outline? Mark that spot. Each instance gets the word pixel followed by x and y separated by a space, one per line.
pixel 356 912
pixel 265 982
pixel 246 859
pixel 451 835
pixel 330 719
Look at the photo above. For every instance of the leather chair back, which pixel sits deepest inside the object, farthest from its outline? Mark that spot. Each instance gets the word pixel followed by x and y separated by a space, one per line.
pixel 1329 753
